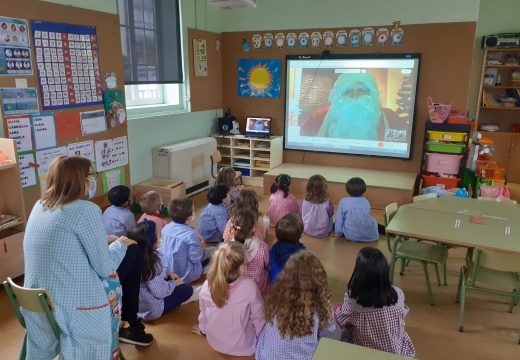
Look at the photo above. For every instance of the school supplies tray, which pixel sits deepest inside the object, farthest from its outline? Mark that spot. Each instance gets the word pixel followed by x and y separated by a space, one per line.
pixel 262 164
pixel 446 136
pixel 432 180
pixel 446 148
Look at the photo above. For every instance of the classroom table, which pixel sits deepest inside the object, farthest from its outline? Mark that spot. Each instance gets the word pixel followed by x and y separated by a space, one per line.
pixel 450 221
pixel 329 349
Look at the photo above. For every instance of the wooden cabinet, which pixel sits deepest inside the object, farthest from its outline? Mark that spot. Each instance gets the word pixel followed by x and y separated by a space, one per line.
pixel 252 156
pixel 12 205
pixel 507 152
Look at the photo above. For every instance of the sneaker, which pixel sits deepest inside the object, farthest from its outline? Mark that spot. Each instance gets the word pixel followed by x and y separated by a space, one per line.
pixel 135 335
pixel 194 296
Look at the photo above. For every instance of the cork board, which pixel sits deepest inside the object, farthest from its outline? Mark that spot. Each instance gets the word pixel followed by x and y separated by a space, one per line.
pixel 446 50
pixel 110 60
pixel 206 91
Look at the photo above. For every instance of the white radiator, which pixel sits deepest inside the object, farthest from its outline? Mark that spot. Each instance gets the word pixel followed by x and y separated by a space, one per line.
pixel 188 161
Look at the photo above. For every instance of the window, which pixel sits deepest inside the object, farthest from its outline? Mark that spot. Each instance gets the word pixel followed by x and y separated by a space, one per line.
pixel 155 94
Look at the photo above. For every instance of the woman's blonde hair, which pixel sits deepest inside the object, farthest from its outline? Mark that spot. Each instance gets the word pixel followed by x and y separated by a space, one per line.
pixel 65 181
pixel 226 176
pixel 224 269
pixel 300 292
pixel 150 202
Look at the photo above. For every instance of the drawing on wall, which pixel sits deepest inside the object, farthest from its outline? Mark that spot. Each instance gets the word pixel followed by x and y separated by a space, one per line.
pixel 200 57
pixel 259 77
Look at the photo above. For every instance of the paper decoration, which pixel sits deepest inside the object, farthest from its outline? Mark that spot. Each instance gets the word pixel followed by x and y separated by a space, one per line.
pixel 218 45
pixel 92 122
pixel 115 108
pixel 268 41
pixel 257 41
pixel 44 131
pixel 279 40
pixel 328 39
pixel 259 78
pixel 68 64
pixel 19 129
pixel 368 36
pixel 200 57
pixel 27 169
pixel 245 45
pixel 113 178
pixel 111 153
pixel 15 54
pixel 382 35
pixel 316 39
pixel 19 101
pixel 355 37
pixel 341 38
pixel 68 124
pixel 111 80
pixel 45 158
pixel 397 34
pixel 84 149
pixel 303 40
pixel 291 40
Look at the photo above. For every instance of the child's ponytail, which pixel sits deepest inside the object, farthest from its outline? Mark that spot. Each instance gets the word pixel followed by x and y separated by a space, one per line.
pixel 145 235
pixel 244 223
pixel 224 269
pixel 282 182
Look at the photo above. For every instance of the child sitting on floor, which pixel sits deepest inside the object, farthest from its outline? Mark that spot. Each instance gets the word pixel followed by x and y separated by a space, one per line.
pixel 353 218
pixel 231 315
pixel 117 218
pixel 180 250
pixel 152 206
pixel 317 210
pixel 281 202
pixel 289 230
pixel 160 291
pixel 226 176
pixel 246 200
pixel 298 311
pixel 373 311
pixel 214 216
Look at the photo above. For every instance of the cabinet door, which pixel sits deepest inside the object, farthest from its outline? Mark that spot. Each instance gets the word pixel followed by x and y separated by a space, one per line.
pixel 502 144
pixel 513 165
pixel 11 262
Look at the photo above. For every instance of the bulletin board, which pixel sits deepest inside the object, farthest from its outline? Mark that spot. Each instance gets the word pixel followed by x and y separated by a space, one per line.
pixel 446 50
pixel 206 91
pixel 108 46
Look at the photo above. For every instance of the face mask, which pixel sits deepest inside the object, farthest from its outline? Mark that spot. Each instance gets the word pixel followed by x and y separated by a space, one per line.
pixel 93 189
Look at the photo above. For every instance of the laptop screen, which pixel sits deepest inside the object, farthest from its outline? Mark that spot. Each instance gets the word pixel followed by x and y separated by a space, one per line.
pixel 258 126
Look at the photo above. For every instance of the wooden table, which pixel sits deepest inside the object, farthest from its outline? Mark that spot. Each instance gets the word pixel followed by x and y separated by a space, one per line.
pixel 329 349
pixel 435 219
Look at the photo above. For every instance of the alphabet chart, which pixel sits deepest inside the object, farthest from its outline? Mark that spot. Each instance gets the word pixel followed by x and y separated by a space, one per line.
pixel 68 65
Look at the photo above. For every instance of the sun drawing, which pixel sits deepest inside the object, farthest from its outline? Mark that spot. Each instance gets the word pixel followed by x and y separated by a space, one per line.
pixel 260 78
pixel 257 78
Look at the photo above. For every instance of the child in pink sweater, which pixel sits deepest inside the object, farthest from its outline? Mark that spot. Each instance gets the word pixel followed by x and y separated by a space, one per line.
pixel 231 309
pixel 281 202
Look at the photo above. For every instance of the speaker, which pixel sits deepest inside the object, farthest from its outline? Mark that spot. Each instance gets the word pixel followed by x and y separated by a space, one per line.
pixel 225 124
pixel 490 41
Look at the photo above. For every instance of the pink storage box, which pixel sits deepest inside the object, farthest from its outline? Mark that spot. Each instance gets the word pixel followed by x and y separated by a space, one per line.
pixel 443 163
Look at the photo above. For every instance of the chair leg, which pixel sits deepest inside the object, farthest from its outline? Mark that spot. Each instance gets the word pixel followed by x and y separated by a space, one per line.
pixel 459 285
pixel 462 303
pixel 428 285
pixel 403 264
pixel 392 267
pixel 23 350
pixel 444 269
pixel 437 274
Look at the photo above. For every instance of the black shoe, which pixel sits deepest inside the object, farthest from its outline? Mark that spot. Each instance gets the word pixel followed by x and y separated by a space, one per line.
pixel 135 335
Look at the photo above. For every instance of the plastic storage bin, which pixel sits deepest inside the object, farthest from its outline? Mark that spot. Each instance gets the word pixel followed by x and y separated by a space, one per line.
pixel 446 136
pixel 445 148
pixel 432 180
pixel 443 163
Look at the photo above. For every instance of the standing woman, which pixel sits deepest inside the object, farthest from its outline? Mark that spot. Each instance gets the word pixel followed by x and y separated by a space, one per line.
pixel 66 252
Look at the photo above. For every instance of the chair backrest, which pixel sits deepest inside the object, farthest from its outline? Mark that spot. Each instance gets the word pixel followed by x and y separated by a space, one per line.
pixel 424 197
pixel 29 298
pixel 390 211
pixel 497 260
pixel 216 157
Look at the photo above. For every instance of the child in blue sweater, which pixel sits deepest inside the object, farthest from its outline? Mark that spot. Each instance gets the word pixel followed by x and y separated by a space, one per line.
pixel 214 217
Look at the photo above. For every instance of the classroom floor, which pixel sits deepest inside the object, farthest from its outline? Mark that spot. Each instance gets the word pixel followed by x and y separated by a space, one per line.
pixel 490 331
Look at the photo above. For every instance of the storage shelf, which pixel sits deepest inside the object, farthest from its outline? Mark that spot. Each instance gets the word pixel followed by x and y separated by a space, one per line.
pixel 240 157
pixel 500 132
pixel 261 149
pixel 503 66
pixel 500 108
pixel 260 158
pixel 7 166
pixel 502 49
pixel 502 86
pixel 11 224
pixel 241 147
pixel 260 168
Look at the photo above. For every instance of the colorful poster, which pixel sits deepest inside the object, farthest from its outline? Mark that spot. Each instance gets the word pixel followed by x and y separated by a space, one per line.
pixel 19 129
pixel 19 101
pixel 68 64
pixel 84 149
pixel 113 178
pixel 15 54
pixel 259 77
pixel 115 108
pixel 44 131
pixel 45 158
pixel 111 153
pixel 93 122
pixel 27 171
pixel 68 124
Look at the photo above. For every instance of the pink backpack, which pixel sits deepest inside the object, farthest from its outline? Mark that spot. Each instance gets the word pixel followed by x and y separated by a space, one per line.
pixel 495 192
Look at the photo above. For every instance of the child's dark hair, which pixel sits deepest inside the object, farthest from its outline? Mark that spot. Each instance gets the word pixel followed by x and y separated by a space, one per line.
pixel 119 195
pixel 316 189
pixel 356 187
pixel 244 222
pixel 370 284
pixel 180 210
pixel 217 194
pixel 145 236
pixel 289 228
pixel 282 182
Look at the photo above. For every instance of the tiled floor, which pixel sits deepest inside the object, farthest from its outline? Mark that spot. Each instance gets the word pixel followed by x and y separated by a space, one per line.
pixel 490 331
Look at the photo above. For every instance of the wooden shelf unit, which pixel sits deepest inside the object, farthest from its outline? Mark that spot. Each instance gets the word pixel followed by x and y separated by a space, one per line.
pixel 245 154
pixel 11 203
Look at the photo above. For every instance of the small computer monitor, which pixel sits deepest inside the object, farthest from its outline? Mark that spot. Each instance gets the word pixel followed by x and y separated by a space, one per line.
pixel 257 126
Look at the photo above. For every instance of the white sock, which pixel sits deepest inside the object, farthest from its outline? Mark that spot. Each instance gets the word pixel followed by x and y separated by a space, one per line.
pixel 194 296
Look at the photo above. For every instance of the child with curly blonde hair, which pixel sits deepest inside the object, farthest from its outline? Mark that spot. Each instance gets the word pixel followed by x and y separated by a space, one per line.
pixel 298 311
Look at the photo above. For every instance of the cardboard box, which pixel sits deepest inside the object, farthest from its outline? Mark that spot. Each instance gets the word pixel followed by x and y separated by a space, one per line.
pixel 168 189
